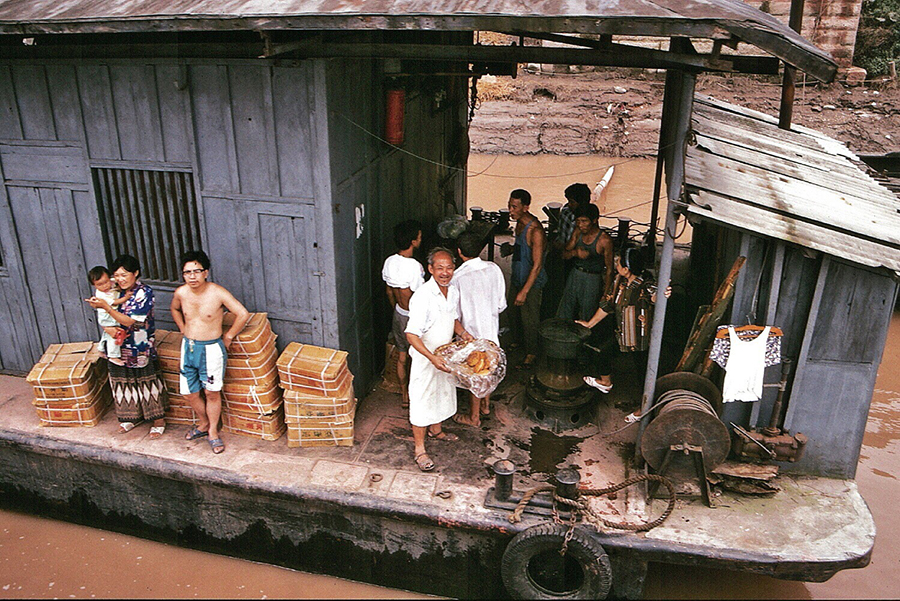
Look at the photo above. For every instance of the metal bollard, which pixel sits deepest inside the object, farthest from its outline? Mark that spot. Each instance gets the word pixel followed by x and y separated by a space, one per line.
pixel 477 213
pixel 567 483
pixel 503 221
pixel 503 478
pixel 622 232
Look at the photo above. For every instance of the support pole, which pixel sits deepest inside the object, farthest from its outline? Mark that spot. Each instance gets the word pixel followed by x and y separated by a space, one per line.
pixel 679 112
pixel 657 179
pixel 788 86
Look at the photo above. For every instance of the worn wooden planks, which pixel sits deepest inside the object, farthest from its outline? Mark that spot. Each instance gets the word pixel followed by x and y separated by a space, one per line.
pixel 725 210
pixel 804 201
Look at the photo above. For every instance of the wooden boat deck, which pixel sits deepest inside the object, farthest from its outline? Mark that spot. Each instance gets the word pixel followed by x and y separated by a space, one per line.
pixel 809 530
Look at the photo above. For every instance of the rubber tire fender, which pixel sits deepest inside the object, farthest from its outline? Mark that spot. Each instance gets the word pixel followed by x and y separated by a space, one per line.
pixel 583 548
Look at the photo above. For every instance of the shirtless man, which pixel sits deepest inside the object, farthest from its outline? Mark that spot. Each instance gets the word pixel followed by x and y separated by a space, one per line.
pixel 402 276
pixel 198 308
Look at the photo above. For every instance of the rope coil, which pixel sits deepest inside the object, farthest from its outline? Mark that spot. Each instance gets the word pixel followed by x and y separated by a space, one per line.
pixel 580 505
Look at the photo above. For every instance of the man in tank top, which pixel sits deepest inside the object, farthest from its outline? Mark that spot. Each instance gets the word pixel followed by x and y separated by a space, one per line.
pixel 528 274
pixel 591 251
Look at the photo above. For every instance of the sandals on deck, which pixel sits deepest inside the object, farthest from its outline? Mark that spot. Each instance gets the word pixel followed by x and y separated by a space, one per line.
pixel 156 432
pixel 194 433
pixel 446 436
pixel 125 427
pixel 216 445
pixel 424 462
pixel 595 383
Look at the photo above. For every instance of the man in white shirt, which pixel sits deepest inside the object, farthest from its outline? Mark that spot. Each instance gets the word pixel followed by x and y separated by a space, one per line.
pixel 403 275
pixel 482 297
pixel 433 319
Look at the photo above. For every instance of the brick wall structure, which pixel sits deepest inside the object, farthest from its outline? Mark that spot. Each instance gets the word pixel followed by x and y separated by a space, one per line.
pixel 829 24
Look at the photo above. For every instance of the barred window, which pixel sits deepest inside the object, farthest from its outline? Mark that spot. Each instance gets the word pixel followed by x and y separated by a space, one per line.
pixel 149 214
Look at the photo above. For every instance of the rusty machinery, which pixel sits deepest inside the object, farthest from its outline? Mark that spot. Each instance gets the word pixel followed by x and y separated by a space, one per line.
pixel 685 438
pixel 771 442
pixel 556 396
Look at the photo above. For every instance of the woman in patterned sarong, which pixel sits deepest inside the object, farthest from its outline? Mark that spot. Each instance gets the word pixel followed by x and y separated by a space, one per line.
pixel 137 387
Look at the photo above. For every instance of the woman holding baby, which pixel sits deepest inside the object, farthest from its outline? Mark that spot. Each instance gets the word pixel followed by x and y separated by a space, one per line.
pixel 137 388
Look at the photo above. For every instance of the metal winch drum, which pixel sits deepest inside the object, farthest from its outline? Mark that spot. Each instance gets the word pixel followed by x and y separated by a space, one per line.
pixel 685 414
pixel 556 396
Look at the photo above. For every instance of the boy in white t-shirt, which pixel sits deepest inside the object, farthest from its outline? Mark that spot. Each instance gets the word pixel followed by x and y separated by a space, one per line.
pixel 402 275
pixel 105 288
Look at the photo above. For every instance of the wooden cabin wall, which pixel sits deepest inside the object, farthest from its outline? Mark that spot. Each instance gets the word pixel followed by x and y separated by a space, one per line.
pixel 385 186
pixel 844 343
pixel 835 318
pixel 244 130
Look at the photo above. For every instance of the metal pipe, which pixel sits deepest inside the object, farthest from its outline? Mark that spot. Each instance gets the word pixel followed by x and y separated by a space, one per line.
pixel 680 109
pixel 786 112
pixel 774 427
pixel 503 479
pixel 622 232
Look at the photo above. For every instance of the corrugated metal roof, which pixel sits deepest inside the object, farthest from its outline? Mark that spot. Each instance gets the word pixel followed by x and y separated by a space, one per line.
pixel 801 186
pixel 717 19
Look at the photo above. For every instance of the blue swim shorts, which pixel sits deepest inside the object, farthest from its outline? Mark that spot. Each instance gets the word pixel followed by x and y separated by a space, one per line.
pixel 202 365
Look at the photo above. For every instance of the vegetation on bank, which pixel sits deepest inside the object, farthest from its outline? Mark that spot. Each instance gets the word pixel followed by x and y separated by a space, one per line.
pixel 878 37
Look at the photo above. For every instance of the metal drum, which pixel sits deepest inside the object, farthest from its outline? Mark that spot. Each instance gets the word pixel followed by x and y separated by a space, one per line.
pixel 557 366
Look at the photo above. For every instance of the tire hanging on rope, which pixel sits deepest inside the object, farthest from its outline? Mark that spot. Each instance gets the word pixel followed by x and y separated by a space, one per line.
pixel 533 567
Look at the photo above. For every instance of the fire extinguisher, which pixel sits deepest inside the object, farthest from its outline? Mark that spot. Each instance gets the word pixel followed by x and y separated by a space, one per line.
pixel 393 119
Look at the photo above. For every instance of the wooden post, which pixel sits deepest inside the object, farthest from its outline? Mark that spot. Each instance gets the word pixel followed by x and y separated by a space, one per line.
pixel 785 115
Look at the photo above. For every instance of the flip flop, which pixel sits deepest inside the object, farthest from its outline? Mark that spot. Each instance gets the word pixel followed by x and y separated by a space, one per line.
pixel 424 462
pixel 195 433
pixel 216 445
pixel 125 427
pixel 446 436
pixel 595 383
pixel 157 432
pixel 631 418
pixel 459 417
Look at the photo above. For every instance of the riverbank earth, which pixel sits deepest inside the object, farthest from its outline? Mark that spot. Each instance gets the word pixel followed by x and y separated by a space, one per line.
pixel 617 113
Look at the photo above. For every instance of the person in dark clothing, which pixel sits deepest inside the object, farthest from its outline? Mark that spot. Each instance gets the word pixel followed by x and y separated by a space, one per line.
pixel 631 303
pixel 528 273
pixel 591 251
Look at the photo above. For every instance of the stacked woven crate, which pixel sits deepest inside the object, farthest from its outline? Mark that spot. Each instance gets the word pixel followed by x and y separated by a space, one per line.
pixel 319 404
pixel 168 348
pixel 251 398
pixel 70 385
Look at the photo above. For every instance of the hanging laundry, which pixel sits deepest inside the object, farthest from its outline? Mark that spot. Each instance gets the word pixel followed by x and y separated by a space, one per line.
pixel 722 347
pixel 745 367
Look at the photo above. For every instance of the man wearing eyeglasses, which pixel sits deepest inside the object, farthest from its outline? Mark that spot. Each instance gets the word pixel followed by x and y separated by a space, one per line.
pixel 198 308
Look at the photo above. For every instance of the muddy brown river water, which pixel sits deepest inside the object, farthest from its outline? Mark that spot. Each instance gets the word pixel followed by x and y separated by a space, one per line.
pixel 41 558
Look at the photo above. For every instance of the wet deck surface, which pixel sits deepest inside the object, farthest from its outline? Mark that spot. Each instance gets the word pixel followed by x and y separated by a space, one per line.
pixel 812 518
pixel 381 460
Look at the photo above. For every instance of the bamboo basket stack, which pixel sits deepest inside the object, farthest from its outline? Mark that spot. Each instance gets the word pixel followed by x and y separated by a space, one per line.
pixel 70 383
pixel 319 404
pixel 251 398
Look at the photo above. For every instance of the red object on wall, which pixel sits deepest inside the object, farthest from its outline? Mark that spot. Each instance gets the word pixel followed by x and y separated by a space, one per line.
pixel 393 119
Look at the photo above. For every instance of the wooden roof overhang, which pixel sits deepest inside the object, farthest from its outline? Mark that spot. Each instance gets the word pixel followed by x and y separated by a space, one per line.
pixel 797 185
pixel 287 25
